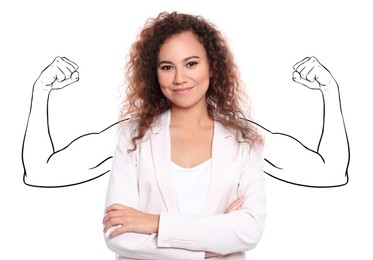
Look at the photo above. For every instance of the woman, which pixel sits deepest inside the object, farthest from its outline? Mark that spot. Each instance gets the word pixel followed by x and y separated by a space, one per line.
pixel 187 177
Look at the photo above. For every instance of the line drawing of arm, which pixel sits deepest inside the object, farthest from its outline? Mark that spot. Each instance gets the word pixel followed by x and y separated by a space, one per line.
pixel 290 161
pixel 287 159
pixel 85 158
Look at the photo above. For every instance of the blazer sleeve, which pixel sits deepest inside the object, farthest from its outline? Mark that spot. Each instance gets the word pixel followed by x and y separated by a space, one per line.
pixel 122 189
pixel 237 231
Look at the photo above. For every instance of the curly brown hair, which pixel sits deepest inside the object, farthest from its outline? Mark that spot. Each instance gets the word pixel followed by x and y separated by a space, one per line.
pixel 226 100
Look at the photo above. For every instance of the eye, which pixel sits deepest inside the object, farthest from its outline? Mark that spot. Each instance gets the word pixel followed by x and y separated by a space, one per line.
pixel 166 67
pixel 192 64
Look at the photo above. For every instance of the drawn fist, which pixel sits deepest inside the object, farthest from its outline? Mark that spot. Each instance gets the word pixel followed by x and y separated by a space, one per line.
pixel 312 74
pixel 59 74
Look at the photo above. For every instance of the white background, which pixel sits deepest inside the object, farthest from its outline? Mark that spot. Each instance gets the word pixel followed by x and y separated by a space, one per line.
pixel 267 38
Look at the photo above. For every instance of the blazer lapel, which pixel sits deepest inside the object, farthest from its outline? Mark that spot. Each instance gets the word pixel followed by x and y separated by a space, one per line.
pixel 221 160
pixel 161 155
pixel 222 150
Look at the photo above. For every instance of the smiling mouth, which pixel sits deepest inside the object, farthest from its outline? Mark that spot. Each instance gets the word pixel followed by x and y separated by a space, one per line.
pixel 183 91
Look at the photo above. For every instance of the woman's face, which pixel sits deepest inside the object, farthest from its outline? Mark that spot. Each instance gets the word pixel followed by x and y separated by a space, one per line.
pixel 183 70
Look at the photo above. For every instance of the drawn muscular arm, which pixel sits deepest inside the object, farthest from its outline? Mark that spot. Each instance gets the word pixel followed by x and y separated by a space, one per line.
pixel 87 157
pixel 83 159
pixel 290 161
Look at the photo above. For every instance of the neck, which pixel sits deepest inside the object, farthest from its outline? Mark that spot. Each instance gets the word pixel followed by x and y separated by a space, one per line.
pixel 190 117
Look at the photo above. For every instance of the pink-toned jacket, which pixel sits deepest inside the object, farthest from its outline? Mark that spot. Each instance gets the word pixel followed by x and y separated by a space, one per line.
pixel 141 180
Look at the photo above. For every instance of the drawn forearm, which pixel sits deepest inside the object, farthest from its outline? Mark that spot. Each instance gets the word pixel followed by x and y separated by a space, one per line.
pixel 334 145
pixel 37 143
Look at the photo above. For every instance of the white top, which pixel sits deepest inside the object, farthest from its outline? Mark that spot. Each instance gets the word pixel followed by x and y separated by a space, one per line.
pixel 191 186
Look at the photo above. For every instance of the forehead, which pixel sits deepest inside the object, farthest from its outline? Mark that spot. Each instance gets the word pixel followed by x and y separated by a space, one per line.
pixel 181 45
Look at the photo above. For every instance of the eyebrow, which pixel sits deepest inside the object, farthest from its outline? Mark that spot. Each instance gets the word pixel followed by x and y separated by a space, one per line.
pixel 184 60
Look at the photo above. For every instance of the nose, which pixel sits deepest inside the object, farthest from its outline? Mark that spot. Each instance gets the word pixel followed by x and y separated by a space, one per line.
pixel 179 78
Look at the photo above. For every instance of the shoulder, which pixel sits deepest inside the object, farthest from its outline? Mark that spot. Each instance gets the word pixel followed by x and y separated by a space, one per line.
pixel 161 122
pixel 243 146
pixel 129 128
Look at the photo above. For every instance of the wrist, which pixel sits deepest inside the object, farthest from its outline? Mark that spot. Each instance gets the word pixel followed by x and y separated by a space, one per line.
pixel 330 88
pixel 41 87
pixel 155 223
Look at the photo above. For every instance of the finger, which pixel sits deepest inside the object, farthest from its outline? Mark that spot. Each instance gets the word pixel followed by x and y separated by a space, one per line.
pixel 59 74
pixel 65 62
pixel 239 202
pixel 64 66
pixel 299 63
pixel 68 67
pixel 106 218
pixel 300 66
pixel 306 68
pixel 74 78
pixel 59 85
pixel 308 73
pixel 297 78
pixel 62 72
pixel 112 214
pixel 112 207
pixel 117 231
pixel 302 69
pixel 236 204
pixel 115 206
pixel 311 74
pixel 72 64
pixel 112 223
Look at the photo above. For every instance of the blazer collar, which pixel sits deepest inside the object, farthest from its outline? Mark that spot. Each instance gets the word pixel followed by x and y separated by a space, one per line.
pixel 222 150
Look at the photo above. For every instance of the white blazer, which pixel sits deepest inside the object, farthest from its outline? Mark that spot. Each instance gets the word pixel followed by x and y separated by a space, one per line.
pixel 141 180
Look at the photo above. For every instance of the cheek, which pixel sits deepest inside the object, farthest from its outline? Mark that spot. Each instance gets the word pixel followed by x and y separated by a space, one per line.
pixel 204 78
pixel 203 74
pixel 164 79
pixel 163 82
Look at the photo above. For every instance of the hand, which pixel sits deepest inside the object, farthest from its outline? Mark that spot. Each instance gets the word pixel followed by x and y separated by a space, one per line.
pixel 312 74
pixel 210 254
pixel 59 74
pixel 235 205
pixel 129 220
